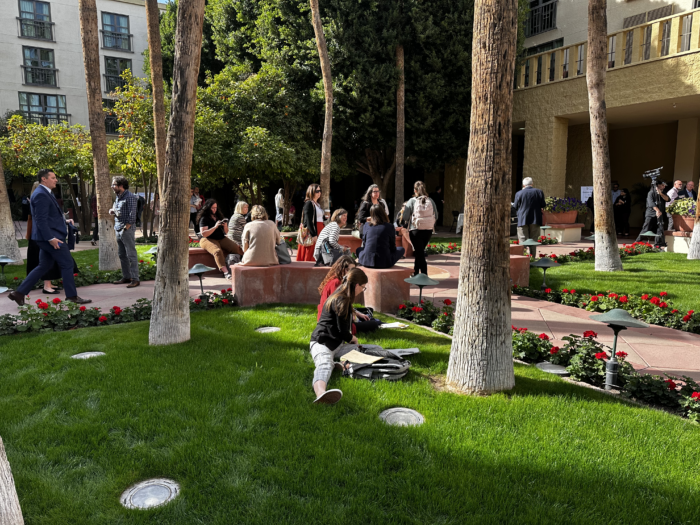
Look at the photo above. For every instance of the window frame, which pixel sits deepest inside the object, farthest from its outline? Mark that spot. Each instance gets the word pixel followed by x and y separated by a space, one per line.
pixel 49 22
pixel 108 75
pixel 26 66
pixel 28 112
pixel 128 35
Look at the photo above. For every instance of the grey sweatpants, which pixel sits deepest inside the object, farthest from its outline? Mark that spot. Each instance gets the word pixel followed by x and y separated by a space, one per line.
pixel 323 359
pixel 126 241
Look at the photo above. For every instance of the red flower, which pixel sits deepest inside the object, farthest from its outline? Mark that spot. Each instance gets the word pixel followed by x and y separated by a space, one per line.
pixel 565 291
pixel 601 355
pixel 674 311
pixel 686 318
pixel 16 278
pixel 223 291
pixel 75 275
pixel 82 308
pixel 197 301
pixel 516 242
pixel 663 294
pixel 417 309
pixel 663 305
pixel 573 292
pixel 691 312
pixel 447 302
pixel 601 295
pixel 589 333
pixel 56 300
pixel 512 327
pixel 38 301
pixel 548 290
pixel 102 319
pixel 544 337
pixel 594 298
pixel 402 306
pixel 623 299
pixel 229 289
pixel 45 314
pixel 695 395
pixel 655 300
pixel 521 330
pixel 644 297
pixel 554 350
pixel 671 384
pixel 225 301
pixel 621 355
pixel 422 301
pixel 141 260
pixel 445 313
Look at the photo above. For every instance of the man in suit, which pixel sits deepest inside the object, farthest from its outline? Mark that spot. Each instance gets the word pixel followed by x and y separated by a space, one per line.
pixel 689 191
pixel 49 230
pixel 529 203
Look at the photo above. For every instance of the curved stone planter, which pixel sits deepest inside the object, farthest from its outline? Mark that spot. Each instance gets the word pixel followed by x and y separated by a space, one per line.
pixel 565 217
pixel 682 223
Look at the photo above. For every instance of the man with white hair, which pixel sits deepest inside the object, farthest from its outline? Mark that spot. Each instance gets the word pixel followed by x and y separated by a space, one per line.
pixel 529 203
pixel 689 191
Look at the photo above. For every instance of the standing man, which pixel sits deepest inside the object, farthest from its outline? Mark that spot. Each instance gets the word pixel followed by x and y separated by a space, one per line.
pixel 656 209
pixel 615 191
pixel 124 211
pixel 49 230
pixel 195 205
pixel 529 203
pixel 279 207
pixel 689 191
pixel 673 194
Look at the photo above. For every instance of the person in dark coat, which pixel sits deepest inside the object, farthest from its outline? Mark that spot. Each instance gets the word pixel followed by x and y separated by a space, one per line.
pixel 689 191
pixel 622 209
pixel 378 248
pixel 655 213
pixel 529 203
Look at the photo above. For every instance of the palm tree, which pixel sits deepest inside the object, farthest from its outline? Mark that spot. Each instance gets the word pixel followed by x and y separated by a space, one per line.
pixel 328 91
pixel 10 511
pixel 481 358
pixel 607 254
pixel 8 239
pixel 109 255
pixel 170 319
pixel 156 63
pixel 400 129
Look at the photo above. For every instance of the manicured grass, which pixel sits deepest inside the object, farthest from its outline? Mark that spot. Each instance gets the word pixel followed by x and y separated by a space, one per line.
pixel 646 273
pixel 81 257
pixel 22 243
pixel 229 416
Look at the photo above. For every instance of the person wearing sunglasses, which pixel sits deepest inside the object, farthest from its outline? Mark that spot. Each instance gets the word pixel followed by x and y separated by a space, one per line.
pixel 312 219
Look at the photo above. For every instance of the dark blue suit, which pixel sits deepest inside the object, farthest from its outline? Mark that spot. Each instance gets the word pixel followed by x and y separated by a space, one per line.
pixel 529 203
pixel 379 246
pixel 49 223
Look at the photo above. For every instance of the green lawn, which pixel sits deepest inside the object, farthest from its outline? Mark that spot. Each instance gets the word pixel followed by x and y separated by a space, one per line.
pixel 229 416
pixel 646 273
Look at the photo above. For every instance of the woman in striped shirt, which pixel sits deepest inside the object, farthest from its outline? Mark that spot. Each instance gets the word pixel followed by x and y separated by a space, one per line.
pixel 237 222
pixel 331 233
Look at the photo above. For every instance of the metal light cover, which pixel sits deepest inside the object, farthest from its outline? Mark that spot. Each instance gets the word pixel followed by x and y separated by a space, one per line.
pixel 647 234
pixel 590 238
pixel 545 263
pixel 153 252
pixel 199 270
pixel 4 259
pixel 420 280
pixel 531 246
pixel 545 227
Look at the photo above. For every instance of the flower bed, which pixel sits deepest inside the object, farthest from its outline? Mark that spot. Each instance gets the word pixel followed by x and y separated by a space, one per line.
pixel 439 248
pixel 547 240
pixel 554 205
pixel 628 250
pixel 58 315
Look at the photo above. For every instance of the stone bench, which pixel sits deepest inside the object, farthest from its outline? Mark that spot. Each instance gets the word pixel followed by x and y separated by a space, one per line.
pixel 298 283
pixel 677 242
pixel 516 249
pixel 201 256
pixel 520 269
pixel 348 240
pixel 564 232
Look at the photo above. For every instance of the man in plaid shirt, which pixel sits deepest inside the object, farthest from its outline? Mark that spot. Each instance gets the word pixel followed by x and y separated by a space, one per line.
pixel 124 211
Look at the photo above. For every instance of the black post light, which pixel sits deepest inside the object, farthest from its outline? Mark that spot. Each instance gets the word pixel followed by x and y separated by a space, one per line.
pixel 421 280
pixel 531 246
pixel 617 319
pixel 545 263
pixel 199 270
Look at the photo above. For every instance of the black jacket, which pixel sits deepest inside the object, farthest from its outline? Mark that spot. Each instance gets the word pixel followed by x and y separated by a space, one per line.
pixel 308 217
pixel 333 330
pixel 689 194
pixel 529 203
pixel 378 243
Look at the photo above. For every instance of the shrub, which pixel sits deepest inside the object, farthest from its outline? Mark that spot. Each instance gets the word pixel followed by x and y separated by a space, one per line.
pixel 547 240
pixel 653 390
pixel 555 205
pixel 587 359
pixel 529 346
pixel 445 319
pixel 684 207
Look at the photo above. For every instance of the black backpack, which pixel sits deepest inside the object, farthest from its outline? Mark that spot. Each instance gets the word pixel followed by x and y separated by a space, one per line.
pixel 390 368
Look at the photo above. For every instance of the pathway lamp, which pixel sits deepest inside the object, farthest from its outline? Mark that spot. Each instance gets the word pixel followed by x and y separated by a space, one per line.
pixel 153 252
pixel 421 280
pixel 4 259
pixel 618 320
pixel 531 246
pixel 545 263
pixel 649 235
pixel 199 270
pixel 591 238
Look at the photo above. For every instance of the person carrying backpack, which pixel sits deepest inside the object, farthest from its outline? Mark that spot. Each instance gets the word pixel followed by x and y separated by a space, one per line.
pixel 423 213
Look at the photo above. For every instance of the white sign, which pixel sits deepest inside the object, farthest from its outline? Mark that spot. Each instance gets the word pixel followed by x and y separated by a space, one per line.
pixel 586 192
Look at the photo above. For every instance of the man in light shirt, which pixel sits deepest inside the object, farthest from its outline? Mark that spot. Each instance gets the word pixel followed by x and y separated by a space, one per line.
pixel 673 194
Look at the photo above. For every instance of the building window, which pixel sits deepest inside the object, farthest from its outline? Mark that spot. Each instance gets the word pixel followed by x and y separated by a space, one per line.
pixel 612 41
pixel 39 68
pixel 115 32
pixel 35 20
pixel 111 121
pixel 539 70
pixel 565 65
pixel 527 72
pixel 665 38
pixel 552 66
pixel 646 43
pixel 696 4
pixel 43 109
pixel 686 30
pixel 541 18
pixel 114 67
pixel 579 60
pixel 629 40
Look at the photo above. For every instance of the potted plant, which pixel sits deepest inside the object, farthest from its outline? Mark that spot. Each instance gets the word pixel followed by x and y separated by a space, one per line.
pixel 562 211
pixel 683 213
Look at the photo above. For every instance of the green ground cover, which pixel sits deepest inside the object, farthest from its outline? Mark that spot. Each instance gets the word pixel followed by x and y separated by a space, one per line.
pixel 229 416
pixel 645 273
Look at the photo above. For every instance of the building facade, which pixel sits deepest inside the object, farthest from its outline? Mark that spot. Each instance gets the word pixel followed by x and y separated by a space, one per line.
pixel 41 56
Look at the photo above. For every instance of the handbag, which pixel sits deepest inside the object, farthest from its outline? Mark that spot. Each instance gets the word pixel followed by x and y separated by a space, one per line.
pixel 304 238
pixel 283 255
pixel 330 254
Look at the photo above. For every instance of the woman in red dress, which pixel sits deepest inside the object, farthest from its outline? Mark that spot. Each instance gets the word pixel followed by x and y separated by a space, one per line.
pixel 311 218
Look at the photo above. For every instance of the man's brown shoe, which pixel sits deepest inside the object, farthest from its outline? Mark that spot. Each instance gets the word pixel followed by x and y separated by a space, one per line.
pixel 122 281
pixel 78 300
pixel 133 284
pixel 16 297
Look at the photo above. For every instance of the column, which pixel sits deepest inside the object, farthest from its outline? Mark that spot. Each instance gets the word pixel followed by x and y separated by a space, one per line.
pixel 687 165
pixel 545 154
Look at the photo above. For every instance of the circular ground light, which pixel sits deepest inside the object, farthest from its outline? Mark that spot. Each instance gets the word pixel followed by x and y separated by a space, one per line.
pixel 267 329
pixel 553 369
pixel 402 417
pixel 149 494
pixel 87 355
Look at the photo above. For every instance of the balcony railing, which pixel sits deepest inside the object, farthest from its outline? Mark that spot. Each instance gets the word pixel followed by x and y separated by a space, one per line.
pixel 40 76
pixel 120 41
pixel 541 19
pixel 646 42
pixel 46 118
pixel 37 29
pixel 113 82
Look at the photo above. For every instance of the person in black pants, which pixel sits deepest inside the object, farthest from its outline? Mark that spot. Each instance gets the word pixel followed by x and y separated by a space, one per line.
pixel 656 210
pixel 423 215
pixel 622 209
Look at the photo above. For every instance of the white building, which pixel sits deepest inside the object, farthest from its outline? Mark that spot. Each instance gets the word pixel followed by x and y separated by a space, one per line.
pixel 41 57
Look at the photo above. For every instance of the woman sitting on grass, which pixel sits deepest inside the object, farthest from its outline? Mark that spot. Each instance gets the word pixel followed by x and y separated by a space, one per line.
pixel 214 228
pixel 333 331
pixel 361 322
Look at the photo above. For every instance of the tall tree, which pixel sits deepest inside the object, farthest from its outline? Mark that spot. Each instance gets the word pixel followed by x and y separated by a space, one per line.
pixel 328 92
pixel 8 238
pixel 109 256
pixel 481 358
pixel 170 319
pixel 400 128
pixel 10 511
pixel 155 60
pixel 607 253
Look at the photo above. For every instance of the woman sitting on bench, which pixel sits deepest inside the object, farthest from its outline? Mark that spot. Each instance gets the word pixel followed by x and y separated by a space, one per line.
pixel 334 329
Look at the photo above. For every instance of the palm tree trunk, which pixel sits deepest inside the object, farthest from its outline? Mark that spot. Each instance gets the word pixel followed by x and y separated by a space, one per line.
pixel 481 358
pixel 109 255
pixel 328 90
pixel 170 319
pixel 607 254
pixel 156 62
pixel 10 511
pixel 8 238
pixel 400 129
